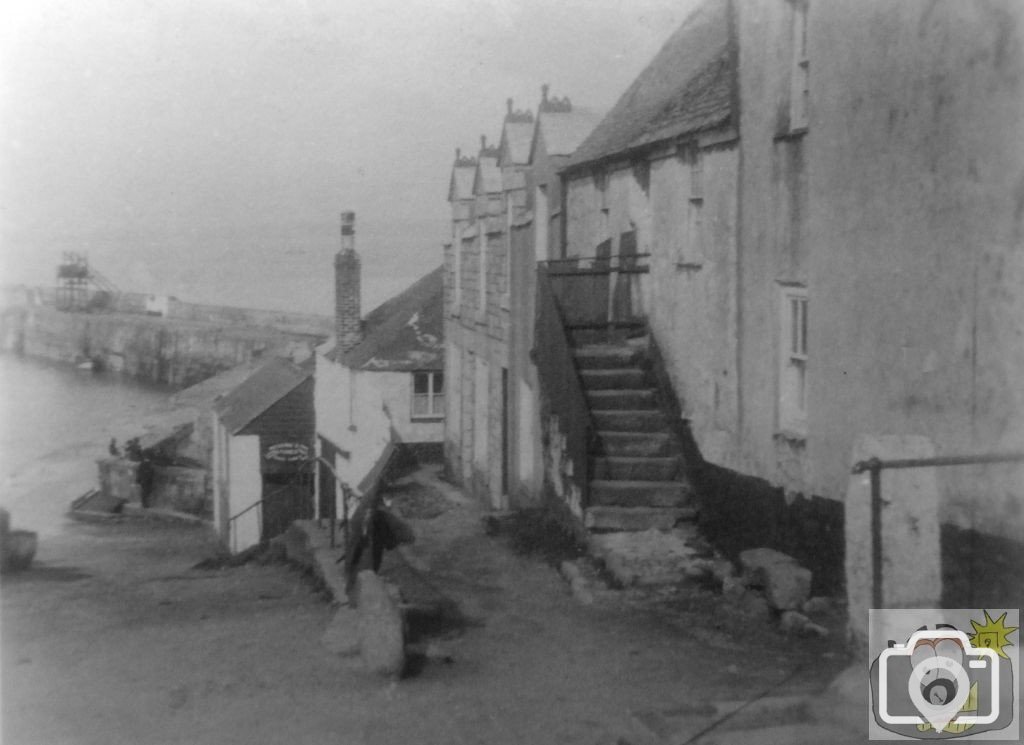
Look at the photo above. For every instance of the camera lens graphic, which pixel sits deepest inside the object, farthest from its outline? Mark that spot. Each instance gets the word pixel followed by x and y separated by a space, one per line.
pixel 939 714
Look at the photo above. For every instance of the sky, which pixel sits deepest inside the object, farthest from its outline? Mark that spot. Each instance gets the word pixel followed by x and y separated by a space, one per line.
pixel 173 140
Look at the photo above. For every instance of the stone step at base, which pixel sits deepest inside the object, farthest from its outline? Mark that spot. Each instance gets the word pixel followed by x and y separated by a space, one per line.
pixel 637 469
pixel 636 518
pixel 623 398
pixel 625 420
pixel 622 377
pixel 635 444
pixel 640 493
pixel 649 557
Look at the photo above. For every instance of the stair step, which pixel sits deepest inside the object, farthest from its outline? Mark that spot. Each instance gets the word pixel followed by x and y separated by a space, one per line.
pixel 621 377
pixel 640 493
pixel 632 519
pixel 625 420
pixel 636 444
pixel 636 469
pixel 606 356
pixel 619 398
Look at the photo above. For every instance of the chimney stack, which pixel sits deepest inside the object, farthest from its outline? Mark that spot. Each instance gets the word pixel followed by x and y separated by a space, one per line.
pixel 348 323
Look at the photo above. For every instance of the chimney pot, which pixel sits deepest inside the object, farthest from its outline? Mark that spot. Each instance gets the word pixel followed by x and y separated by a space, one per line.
pixel 544 92
pixel 508 103
pixel 483 142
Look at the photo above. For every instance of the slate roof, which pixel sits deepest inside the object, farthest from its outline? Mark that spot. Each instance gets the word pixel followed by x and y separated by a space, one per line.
pixel 271 382
pixel 461 184
pixel 488 175
pixel 515 143
pixel 563 131
pixel 687 88
pixel 404 333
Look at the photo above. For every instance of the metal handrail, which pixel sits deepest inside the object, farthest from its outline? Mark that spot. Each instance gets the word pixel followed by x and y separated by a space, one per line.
pixel 875 466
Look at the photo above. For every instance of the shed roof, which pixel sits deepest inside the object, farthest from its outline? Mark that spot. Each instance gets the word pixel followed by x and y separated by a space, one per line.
pixel 687 88
pixel 403 333
pixel 271 382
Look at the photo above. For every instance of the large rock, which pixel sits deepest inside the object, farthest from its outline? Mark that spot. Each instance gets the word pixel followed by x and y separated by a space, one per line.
pixel 381 631
pixel 787 585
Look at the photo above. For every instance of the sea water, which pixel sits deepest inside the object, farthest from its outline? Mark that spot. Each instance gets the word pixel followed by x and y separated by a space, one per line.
pixel 55 422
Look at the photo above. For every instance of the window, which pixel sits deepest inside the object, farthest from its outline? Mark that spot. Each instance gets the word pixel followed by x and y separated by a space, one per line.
pixel 793 359
pixel 691 253
pixel 427 395
pixel 800 82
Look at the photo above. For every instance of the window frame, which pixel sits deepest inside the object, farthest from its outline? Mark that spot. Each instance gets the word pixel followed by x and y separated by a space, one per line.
pixel 435 398
pixel 793 359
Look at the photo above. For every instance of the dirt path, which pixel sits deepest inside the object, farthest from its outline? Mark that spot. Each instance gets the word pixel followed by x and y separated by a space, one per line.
pixel 113 637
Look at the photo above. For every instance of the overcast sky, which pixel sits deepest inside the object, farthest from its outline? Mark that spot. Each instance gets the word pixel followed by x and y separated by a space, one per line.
pixel 186 124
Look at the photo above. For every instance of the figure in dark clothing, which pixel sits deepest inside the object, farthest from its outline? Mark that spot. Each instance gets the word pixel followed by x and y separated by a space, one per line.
pixel 132 450
pixel 373 529
pixel 112 447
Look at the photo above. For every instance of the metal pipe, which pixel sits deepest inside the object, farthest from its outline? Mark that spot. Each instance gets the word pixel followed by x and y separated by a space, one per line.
pixel 944 460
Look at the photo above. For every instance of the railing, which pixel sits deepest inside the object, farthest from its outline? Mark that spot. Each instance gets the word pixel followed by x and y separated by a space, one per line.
pixel 561 390
pixel 599 292
pixel 875 466
pixel 233 524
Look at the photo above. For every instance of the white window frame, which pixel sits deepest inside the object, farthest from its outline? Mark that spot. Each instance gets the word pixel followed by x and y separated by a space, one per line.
pixel 799 95
pixel 691 249
pixel 434 398
pixel 793 359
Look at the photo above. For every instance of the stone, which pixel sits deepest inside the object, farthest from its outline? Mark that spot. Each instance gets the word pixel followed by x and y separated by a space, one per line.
pixel 581 591
pixel 733 587
pixel 793 622
pixel 754 608
pixel 342 633
pixel 787 584
pixel 381 628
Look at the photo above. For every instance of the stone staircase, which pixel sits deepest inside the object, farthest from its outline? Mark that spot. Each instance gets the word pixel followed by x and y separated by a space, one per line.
pixel 637 470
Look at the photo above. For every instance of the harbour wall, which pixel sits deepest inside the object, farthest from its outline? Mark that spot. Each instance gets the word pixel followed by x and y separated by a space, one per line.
pixel 174 351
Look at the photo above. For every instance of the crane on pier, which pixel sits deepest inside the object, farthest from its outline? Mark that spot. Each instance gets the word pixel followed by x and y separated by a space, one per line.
pixel 80 286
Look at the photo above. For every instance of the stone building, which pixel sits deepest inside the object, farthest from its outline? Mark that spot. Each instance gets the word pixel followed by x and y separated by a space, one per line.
pixel 492 405
pixel 822 201
pixel 381 380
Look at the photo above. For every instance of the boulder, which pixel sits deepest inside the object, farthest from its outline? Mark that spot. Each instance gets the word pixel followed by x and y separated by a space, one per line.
pixel 381 630
pixel 787 585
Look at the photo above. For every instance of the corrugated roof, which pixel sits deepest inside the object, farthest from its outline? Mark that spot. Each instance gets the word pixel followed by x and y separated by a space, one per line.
pixel 687 87
pixel 515 143
pixel 274 380
pixel 488 175
pixel 563 131
pixel 404 333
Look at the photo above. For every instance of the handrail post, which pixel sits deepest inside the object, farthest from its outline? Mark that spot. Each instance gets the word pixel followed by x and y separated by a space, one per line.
pixel 875 471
